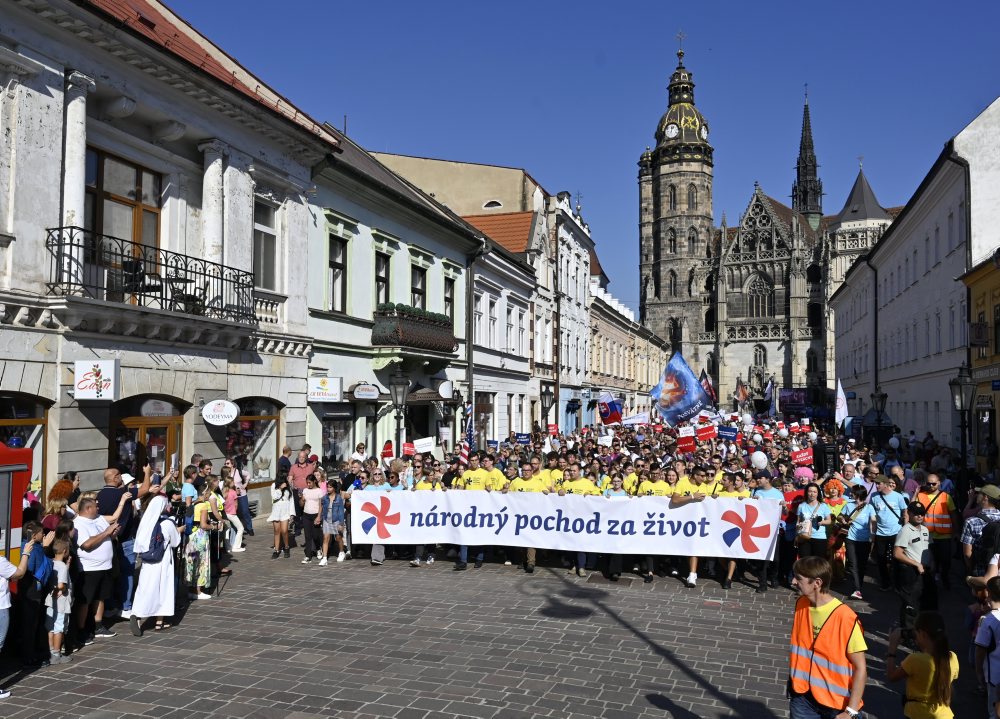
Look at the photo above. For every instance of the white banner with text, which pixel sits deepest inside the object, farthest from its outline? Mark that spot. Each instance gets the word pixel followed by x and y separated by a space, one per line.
pixel 724 527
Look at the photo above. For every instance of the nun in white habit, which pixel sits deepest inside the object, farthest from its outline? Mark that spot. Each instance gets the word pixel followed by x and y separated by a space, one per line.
pixel 154 594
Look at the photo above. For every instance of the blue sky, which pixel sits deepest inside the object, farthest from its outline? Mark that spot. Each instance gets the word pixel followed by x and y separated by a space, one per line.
pixel 572 92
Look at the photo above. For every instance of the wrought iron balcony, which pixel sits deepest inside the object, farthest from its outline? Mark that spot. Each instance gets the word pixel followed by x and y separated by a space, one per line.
pixel 86 264
pixel 413 328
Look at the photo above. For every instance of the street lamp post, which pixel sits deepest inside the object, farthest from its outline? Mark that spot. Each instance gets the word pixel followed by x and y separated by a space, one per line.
pixel 878 398
pixel 399 387
pixel 962 389
pixel 547 399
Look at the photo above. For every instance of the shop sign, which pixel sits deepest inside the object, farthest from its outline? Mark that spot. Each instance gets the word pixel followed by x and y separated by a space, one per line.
pixel 325 389
pixel 97 379
pixel 995 385
pixel 156 408
pixel 366 392
pixel 984 400
pixel 220 412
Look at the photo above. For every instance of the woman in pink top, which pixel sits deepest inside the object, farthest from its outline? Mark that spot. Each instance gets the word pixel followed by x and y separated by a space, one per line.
pixel 229 499
pixel 312 495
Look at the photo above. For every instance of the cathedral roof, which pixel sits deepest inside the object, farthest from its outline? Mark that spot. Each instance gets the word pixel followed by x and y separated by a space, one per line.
pixel 510 230
pixel 861 203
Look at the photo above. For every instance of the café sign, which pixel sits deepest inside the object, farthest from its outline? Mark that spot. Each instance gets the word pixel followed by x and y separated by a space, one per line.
pixel 220 412
pixel 366 391
pixel 97 379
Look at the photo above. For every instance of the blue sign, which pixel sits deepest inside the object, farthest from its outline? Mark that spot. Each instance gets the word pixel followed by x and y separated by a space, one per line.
pixel 728 433
pixel 995 385
pixel 492 444
pixel 523 438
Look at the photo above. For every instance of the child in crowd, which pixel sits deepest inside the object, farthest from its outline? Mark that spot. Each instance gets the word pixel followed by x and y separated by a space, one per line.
pixel 58 602
pixel 30 592
pixel 332 521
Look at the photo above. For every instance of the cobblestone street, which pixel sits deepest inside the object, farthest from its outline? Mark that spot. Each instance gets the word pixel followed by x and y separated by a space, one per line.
pixel 351 640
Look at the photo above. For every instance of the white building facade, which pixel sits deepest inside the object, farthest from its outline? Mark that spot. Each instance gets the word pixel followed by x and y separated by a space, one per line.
pixel 902 321
pixel 151 220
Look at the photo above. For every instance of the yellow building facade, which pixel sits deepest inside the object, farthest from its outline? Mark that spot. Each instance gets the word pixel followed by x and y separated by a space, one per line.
pixel 983 282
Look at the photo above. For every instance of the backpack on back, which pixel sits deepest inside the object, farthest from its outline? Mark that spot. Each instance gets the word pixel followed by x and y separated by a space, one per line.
pixel 987 546
pixel 157 546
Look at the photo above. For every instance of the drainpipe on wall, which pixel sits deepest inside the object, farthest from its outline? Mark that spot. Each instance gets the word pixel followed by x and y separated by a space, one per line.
pixel 470 318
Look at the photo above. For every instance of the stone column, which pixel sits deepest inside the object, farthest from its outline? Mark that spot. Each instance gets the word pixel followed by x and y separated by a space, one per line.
pixel 78 86
pixel 212 199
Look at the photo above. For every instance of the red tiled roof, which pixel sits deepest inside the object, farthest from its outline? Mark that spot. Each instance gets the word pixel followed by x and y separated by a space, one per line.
pixel 160 25
pixel 595 264
pixel 510 230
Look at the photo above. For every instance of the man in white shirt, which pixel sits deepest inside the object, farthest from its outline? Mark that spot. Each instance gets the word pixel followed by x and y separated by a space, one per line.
pixel 95 551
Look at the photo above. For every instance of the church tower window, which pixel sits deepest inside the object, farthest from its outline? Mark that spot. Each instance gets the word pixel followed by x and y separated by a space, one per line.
pixel 656 282
pixel 760 298
pixel 759 356
pixel 672 242
pixel 692 241
pixel 672 197
pixel 692 198
pixel 691 283
pixel 811 364
pixel 672 283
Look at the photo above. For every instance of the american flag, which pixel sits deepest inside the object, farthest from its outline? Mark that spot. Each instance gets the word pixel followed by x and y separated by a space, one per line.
pixel 469 444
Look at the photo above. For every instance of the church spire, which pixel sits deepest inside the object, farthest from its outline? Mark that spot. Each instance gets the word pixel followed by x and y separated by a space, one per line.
pixel 807 192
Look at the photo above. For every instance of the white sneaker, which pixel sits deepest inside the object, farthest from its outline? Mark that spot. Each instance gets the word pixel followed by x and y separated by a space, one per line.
pixel 307 560
pixel 341 557
pixel 414 562
pixel 691 581
pixel 320 555
pixel 201 595
pixel 507 563
pixel 323 562
pixel 430 560
pixel 238 549
pixel 4 693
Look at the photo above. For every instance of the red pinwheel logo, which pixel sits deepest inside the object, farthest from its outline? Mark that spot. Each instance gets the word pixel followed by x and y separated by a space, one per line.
pixel 744 528
pixel 380 517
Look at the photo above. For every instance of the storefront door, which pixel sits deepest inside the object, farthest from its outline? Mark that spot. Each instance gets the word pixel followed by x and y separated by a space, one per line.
pixel 148 439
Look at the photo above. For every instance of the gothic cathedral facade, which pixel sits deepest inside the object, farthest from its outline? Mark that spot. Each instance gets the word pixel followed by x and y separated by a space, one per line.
pixel 746 303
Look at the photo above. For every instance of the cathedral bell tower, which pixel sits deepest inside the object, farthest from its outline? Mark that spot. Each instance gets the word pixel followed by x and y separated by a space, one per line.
pixel 675 220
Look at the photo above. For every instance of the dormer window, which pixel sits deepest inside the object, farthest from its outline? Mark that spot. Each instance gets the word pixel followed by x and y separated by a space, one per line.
pixel 492 205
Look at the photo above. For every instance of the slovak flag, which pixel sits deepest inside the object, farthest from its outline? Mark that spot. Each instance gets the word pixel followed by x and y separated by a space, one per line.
pixel 610 409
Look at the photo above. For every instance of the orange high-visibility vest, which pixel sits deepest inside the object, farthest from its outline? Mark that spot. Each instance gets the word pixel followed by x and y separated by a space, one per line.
pixel 819 665
pixel 938 518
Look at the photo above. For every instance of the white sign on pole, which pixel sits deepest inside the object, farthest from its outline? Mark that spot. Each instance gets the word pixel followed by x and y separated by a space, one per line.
pixel 425 444
pixel 724 527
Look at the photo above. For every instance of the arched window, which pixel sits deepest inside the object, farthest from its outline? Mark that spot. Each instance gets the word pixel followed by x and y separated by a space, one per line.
pixel 672 283
pixel 710 284
pixel 692 241
pixel 675 333
pixel 656 248
pixel 691 283
pixel 815 314
pixel 811 363
pixel 710 320
pixel 710 364
pixel 656 282
pixel 813 274
pixel 760 298
pixel 692 197
pixel 672 197
pixel 671 242
pixel 759 356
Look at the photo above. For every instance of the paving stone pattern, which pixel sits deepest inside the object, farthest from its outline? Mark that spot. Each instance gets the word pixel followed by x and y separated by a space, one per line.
pixel 288 641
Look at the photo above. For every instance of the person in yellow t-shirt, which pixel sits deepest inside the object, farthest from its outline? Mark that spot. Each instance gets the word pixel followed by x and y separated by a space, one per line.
pixel 693 489
pixel 475 477
pixel 494 476
pixel 655 486
pixel 529 481
pixel 427 482
pixel 573 483
pixel 926 697
pixel 553 475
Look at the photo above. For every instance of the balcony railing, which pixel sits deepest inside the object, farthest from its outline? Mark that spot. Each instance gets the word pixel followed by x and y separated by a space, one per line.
pixel 86 264
pixel 412 328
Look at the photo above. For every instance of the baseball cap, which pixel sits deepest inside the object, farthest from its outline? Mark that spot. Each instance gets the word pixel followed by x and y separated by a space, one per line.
pixel 990 490
pixel 127 478
pixel 916 508
pixel 852 441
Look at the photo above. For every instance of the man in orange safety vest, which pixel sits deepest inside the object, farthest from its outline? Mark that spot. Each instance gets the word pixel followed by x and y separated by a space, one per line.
pixel 827 670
